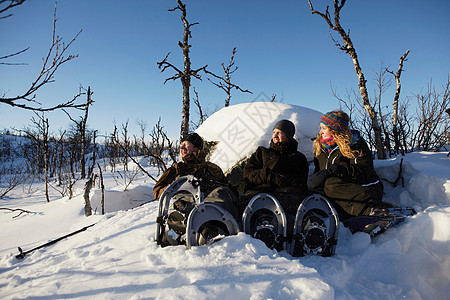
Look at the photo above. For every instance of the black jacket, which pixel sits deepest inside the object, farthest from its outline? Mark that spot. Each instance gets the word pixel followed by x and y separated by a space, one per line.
pixel 281 165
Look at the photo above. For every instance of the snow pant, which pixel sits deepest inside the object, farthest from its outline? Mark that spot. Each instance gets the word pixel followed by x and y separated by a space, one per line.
pixel 352 199
pixel 224 197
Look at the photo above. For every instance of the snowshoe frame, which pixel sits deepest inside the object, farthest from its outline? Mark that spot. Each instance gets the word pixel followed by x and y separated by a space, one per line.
pixel 299 246
pixel 202 213
pixel 208 213
pixel 264 201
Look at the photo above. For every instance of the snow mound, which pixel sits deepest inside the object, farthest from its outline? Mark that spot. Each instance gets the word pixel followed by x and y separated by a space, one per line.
pixel 241 128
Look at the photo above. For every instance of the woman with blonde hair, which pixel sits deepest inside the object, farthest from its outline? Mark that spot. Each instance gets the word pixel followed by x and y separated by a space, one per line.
pixel 344 169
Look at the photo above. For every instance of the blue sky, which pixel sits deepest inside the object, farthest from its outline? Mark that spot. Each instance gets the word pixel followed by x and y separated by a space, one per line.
pixel 282 49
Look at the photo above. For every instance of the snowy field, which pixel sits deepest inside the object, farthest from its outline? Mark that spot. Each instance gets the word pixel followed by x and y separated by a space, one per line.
pixel 118 257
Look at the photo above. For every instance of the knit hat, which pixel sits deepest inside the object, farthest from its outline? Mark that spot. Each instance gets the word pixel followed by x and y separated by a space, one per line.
pixel 334 122
pixel 195 139
pixel 287 127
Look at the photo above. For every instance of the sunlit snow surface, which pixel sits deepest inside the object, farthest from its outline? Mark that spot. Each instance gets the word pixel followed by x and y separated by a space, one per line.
pixel 119 259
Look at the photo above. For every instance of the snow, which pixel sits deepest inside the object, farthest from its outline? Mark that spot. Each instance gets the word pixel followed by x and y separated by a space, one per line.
pixel 118 257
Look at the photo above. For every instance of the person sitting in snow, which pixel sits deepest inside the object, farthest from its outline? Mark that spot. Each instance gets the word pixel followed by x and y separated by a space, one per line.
pixel 344 169
pixel 279 170
pixel 194 163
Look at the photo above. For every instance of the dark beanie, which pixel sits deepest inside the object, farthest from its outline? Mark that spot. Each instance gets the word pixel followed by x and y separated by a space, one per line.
pixel 287 127
pixel 195 139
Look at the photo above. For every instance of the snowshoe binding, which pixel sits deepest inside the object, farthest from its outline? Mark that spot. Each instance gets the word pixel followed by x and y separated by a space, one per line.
pixel 379 220
pixel 316 228
pixel 264 219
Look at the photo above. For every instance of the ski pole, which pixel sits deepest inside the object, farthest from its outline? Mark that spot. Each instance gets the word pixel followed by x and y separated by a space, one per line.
pixel 22 254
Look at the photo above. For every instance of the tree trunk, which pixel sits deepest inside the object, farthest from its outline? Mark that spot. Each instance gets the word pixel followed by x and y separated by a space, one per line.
pixel 94 155
pixel 87 201
pixel 365 97
pixel 83 134
pixel 102 185
pixel 186 77
pixel 45 128
pixel 396 99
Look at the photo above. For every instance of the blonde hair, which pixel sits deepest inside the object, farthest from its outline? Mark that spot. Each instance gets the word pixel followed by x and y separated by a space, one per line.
pixel 342 138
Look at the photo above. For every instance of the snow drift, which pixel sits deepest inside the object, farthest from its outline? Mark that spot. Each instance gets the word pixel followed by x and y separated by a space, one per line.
pixel 119 259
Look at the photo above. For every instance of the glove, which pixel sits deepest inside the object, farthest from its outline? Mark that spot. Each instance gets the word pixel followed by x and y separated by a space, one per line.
pixel 337 171
pixel 276 179
pixel 318 179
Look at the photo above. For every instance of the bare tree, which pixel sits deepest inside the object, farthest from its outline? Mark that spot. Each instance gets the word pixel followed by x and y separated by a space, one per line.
pixel 348 48
pixel 396 99
pixel 404 125
pixel 185 75
pixel 94 154
pixel 225 82
pixel 126 145
pixel 382 82
pixel 160 143
pixel 102 186
pixel 129 155
pixel 40 139
pixel 11 177
pixel 114 149
pixel 433 123
pixel 349 102
pixel 54 59
pixel 81 127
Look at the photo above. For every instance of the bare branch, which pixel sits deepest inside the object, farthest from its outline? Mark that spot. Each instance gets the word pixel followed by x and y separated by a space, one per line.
pixel 397 80
pixel 12 3
pixel 131 157
pixel 22 211
pixel 225 82
pixel 50 64
pixel 197 103
pixel 11 55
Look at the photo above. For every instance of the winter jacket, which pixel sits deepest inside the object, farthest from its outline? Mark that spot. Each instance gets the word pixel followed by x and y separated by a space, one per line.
pixel 281 165
pixel 192 164
pixel 359 170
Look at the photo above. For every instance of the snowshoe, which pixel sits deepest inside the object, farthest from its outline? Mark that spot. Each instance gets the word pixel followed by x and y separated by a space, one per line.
pixel 316 228
pixel 207 223
pixel 264 219
pixel 172 212
pixel 379 220
pixel 185 219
